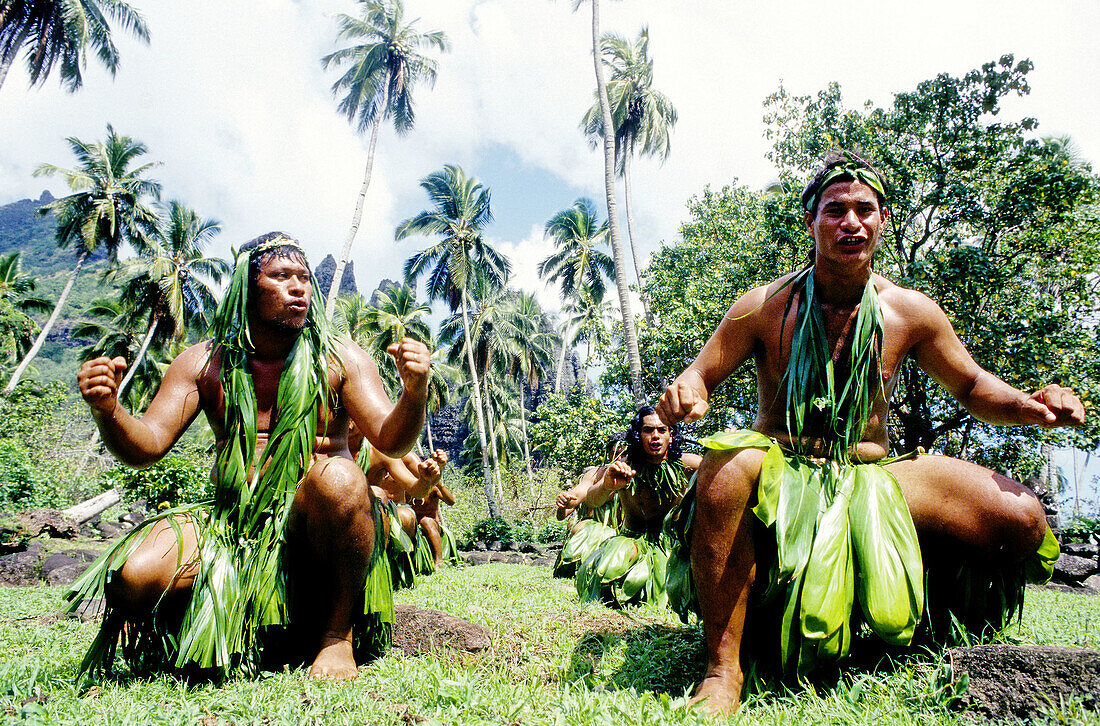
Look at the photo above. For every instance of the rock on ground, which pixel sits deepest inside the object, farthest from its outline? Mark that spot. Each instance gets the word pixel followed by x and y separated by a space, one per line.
pixel 1019 682
pixel 418 630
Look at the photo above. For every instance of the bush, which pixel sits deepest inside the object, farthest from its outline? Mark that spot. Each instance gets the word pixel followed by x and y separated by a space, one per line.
pixel 523 531
pixel 552 531
pixel 490 529
pixel 18 475
pixel 571 430
pixel 171 481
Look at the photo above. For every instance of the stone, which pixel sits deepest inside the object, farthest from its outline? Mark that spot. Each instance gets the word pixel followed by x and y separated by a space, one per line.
pixel 52 522
pixel 477 557
pixel 1018 682
pixel 66 574
pixel 417 631
pixel 19 570
pixel 1071 568
pixel 1080 549
pixel 531 548
pixel 107 530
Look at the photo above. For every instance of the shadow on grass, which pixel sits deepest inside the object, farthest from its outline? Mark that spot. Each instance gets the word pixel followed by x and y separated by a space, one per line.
pixel 657 658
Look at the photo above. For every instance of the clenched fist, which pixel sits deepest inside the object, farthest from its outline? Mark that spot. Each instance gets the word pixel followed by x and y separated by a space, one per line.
pixel 98 381
pixel 432 467
pixel 1053 406
pixel 413 363
pixel 618 475
pixel 681 401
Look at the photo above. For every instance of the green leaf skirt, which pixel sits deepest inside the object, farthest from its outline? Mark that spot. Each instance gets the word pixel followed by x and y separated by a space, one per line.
pixel 838 535
pixel 223 638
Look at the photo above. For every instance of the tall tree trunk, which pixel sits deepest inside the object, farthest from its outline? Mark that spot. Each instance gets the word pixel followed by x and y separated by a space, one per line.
pixel 338 274
pixel 428 429
pixel 490 497
pixel 628 152
pixel 613 213
pixel 561 358
pixel 526 447
pixel 142 350
pixel 491 427
pixel 48 325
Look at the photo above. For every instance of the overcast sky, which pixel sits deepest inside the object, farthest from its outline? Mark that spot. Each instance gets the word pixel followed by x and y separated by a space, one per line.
pixel 231 99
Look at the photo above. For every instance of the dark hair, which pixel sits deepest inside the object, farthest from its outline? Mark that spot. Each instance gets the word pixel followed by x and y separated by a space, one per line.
pixel 613 441
pixel 635 453
pixel 834 158
pixel 256 262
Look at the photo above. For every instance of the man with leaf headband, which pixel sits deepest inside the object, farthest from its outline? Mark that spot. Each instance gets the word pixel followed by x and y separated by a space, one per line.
pixel 796 505
pixel 287 551
pixel 623 558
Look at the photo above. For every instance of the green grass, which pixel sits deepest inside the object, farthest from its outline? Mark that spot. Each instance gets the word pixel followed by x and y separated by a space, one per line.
pixel 554 661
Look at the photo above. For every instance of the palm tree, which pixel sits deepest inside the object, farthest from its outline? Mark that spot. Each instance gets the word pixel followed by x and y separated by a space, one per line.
pixel 577 263
pixel 629 333
pixel 170 283
pixel 378 85
pixel 461 209
pixel 107 208
pixel 531 355
pixel 587 316
pixel 62 31
pixel 17 329
pixel 643 119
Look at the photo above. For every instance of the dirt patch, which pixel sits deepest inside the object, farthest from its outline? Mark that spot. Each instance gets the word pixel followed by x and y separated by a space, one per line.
pixel 1019 682
pixel 419 630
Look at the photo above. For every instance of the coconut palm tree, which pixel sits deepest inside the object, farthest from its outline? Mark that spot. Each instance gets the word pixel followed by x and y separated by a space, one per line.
pixel 62 31
pixel 461 209
pixel 107 208
pixel 577 262
pixel 629 333
pixel 643 119
pixel 385 65
pixel 531 356
pixel 587 315
pixel 170 284
pixel 17 329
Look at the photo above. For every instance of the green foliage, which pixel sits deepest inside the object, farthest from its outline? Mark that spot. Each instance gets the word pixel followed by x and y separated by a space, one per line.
pixel 18 476
pixel 172 481
pixel 490 529
pixel 552 531
pixel 571 429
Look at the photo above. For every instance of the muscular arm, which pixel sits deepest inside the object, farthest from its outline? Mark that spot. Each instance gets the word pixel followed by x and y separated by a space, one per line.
pixel 941 354
pixel 142 442
pixel 444 494
pixel 405 471
pixel 390 428
pixel 615 477
pixel 687 399
pixel 691 463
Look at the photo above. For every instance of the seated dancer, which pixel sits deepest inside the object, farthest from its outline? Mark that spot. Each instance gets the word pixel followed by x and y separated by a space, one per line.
pixel 795 507
pixel 427 513
pixel 395 481
pixel 569 499
pixel 285 556
pixel 645 484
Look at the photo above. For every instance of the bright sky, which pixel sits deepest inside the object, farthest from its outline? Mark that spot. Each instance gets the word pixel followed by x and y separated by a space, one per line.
pixel 231 98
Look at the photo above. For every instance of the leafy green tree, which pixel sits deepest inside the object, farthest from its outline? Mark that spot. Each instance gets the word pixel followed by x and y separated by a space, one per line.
pixel 107 208
pixel 62 31
pixel 996 224
pixel 577 262
pixel 461 209
pixel 17 329
pixel 531 357
pixel 385 65
pixel 630 336
pixel 571 429
pixel 643 119
pixel 170 284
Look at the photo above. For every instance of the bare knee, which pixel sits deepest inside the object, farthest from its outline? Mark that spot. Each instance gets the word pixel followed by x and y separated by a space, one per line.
pixel 1022 523
pixel 727 479
pixel 335 486
pixel 407 517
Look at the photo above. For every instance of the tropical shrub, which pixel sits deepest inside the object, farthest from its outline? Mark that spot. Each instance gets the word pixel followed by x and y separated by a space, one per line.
pixel 171 481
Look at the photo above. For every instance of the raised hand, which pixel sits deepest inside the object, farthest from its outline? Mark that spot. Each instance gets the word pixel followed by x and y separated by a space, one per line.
pixel 98 380
pixel 681 402
pixel 618 475
pixel 440 456
pixel 413 364
pixel 1053 406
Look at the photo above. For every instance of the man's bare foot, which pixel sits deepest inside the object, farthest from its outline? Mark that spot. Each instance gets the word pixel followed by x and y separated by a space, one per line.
pixel 335 660
pixel 718 695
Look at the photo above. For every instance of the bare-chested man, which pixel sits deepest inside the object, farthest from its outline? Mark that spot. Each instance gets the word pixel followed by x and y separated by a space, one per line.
pixel 650 443
pixel 569 499
pixel 647 482
pixel 213 577
pixel 426 509
pixel 976 510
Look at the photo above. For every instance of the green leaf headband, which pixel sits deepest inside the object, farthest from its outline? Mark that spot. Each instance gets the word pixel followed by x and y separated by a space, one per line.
pixel 858 173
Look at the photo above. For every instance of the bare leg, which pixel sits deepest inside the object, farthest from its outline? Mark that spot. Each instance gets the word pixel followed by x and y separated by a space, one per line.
pixel 331 523
pixel 723 567
pixel 152 571
pixel 435 537
pixel 962 503
pixel 407 517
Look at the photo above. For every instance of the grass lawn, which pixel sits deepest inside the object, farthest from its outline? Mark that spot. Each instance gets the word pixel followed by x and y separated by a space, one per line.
pixel 554 662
